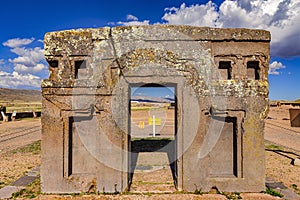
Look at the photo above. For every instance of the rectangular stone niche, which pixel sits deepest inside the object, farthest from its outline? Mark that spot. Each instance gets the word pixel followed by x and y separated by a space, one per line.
pixel 80 69
pixel 253 70
pixel 225 70
pixel 224 161
pixel 78 156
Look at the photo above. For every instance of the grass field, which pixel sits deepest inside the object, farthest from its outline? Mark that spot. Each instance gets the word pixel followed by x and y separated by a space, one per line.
pixel 21 100
pixel 21 106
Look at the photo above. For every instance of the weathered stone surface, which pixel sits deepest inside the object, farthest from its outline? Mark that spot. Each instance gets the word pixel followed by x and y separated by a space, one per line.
pixel 219 136
pixel 6 192
pixel 295 117
pixel 296 161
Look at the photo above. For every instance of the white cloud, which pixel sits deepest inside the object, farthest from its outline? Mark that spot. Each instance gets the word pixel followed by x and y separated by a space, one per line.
pixel 17 42
pixel 274 66
pixel 132 21
pixel 14 79
pixel 233 15
pixel 28 56
pixel 2 73
pixel 131 18
pixel 28 59
pixel 280 17
pixel 197 15
pixel 111 23
pixel 27 63
pixel 25 69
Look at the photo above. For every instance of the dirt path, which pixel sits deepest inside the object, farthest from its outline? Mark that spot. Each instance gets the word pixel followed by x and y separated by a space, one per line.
pixel 279 131
pixel 19 149
pixel 18 134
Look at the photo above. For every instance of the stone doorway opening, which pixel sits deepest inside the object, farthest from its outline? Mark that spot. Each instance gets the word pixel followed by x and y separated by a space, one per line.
pixel 152 138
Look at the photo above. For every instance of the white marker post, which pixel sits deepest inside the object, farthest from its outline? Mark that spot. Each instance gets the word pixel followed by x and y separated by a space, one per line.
pixel 153 125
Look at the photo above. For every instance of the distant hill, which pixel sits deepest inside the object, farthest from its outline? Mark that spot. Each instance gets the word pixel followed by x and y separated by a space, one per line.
pixel 20 95
pixel 298 100
pixel 152 99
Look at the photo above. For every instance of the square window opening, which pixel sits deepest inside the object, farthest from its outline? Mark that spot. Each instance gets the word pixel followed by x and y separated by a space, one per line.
pixel 225 70
pixel 253 70
pixel 80 69
pixel 53 63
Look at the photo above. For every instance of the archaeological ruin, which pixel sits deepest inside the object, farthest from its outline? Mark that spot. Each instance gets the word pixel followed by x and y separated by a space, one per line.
pixel 220 81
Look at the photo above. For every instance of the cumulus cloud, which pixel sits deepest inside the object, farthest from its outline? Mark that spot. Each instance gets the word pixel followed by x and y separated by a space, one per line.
pixel 197 15
pixel 131 21
pixel 28 56
pixel 17 42
pixel 25 69
pixel 14 80
pixel 280 17
pixel 135 23
pixel 3 74
pixel 28 65
pixel 28 59
pixel 131 17
pixel 274 67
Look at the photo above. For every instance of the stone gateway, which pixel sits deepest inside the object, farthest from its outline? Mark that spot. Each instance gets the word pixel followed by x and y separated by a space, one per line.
pixel 220 78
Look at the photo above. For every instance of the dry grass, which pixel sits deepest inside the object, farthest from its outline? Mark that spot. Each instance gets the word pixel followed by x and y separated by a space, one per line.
pixel 10 95
pixel 279 167
pixel 16 163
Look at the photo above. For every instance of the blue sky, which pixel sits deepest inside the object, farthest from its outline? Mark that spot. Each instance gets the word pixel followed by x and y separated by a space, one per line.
pixel 24 23
pixel 162 92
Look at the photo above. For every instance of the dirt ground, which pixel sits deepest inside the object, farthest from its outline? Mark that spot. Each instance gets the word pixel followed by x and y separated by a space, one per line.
pixel 19 149
pixel 165 128
pixel 282 147
pixel 19 133
pixel 153 173
pixel 16 163
pixel 278 129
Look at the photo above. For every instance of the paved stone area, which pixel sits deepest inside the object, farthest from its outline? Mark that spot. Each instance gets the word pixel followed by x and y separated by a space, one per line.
pixel 288 194
pixel 19 184
pixel 7 191
pixel 25 180
pixel 282 189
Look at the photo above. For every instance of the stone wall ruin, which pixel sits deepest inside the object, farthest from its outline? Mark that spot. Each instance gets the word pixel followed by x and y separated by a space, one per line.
pixel 221 81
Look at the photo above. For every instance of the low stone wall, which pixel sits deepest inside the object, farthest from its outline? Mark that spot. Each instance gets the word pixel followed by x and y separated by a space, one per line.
pixel 25 115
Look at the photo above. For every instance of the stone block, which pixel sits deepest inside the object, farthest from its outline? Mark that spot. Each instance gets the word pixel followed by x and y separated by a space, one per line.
pixel 296 161
pixel 294 117
pixel 86 133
